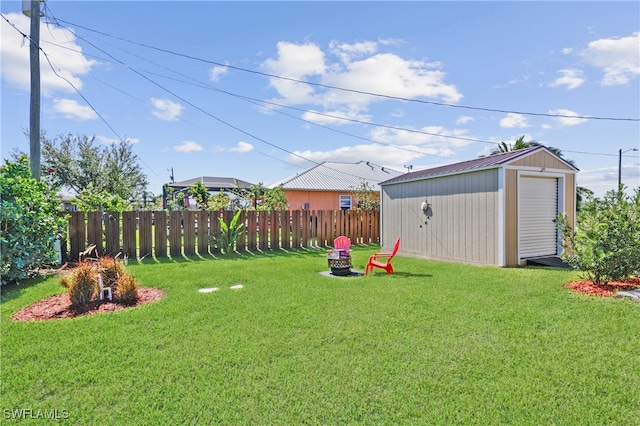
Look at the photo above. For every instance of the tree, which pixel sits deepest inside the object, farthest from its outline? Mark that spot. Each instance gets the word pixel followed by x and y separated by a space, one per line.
pixel 274 199
pixel 518 144
pixel 90 200
pixel 29 222
pixel 365 197
pixel 220 201
pixel 606 242
pixel 263 198
pixel 79 161
pixel 200 193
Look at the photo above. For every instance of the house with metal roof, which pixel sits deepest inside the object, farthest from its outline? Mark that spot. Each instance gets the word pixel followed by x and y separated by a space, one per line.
pixel 213 185
pixel 330 185
pixel 499 210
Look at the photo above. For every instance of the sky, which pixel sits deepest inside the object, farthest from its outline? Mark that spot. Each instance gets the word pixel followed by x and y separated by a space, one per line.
pixel 260 91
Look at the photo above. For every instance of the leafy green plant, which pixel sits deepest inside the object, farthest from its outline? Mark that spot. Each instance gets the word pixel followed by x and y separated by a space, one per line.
pixel 29 222
pixel 82 283
pixel 200 193
pixel 229 234
pixel 366 197
pixel 90 199
pixel 220 201
pixel 606 242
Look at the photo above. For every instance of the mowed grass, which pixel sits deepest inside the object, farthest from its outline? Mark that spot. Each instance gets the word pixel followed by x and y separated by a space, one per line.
pixel 434 343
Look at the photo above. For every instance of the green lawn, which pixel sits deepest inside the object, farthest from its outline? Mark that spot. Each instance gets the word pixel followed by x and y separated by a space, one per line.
pixel 434 343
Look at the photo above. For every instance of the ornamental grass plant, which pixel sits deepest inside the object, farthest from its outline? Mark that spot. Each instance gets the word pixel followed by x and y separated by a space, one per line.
pixel 82 283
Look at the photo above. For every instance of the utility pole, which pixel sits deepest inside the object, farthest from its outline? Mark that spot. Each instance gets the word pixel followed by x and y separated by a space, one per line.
pixel 620 152
pixel 34 107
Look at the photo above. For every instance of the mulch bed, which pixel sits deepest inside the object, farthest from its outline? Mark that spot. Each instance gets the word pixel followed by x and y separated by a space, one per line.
pixel 604 290
pixel 59 306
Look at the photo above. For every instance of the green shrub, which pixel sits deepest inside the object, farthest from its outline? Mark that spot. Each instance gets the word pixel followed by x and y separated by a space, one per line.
pixel 29 222
pixel 126 288
pixel 606 242
pixel 82 283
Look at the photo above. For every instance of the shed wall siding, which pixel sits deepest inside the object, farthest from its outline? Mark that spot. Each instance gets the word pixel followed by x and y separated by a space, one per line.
pixel 541 159
pixel 464 217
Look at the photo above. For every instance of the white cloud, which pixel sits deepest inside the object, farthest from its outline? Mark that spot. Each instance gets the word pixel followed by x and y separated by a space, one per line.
pixel 513 120
pixel 351 154
pixel 297 60
pixel 110 141
pixel 334 117
pixel 70 109
pixel 429 137
pixel 242 147
pixel 619 58
pixel 188 146
pixel 358 67
pixel 216 72
pixel 570 78
pixel 391 75
pixel 61 49
pixel 347 52
pixel 166 109
pixel 396 147
pixel 464 119
pixel 568 120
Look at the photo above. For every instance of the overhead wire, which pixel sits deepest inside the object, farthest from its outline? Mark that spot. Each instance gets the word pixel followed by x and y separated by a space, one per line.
pixel 361 92
pixel 345 118
pixel 314 112
pixel 262 103
pixel 186 101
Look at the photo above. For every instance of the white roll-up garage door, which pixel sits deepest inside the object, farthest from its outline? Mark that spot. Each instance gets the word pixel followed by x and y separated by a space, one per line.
pixel 537 213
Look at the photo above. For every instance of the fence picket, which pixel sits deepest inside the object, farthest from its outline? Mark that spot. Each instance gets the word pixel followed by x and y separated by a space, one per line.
pixel 160 231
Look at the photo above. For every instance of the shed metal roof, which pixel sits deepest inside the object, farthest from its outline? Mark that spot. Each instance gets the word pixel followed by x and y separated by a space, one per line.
pixel 491 161
pixel 338 176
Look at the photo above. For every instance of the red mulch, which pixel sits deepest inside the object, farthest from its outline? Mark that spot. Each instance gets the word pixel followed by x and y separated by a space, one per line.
pixel 59 306
pixel 604 290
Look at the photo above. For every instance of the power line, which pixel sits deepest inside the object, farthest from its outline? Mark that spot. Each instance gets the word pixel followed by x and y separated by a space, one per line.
pixel 208 113
pixel 263 103
pixel 361 92
pixel 200 84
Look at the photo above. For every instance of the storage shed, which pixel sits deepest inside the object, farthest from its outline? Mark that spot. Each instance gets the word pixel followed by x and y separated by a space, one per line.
pixel 498 210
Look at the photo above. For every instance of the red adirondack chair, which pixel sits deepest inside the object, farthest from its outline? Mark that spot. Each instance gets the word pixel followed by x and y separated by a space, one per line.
pixel 376 260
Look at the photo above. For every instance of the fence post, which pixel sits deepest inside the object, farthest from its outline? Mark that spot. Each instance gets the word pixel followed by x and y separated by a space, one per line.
pixel 129 231
pixel 189 226
pixel 145 224
pixel 214 226
pixel 77 234
pixel 175 233
pixel 160 224
pixel 202 232
pixel 263 230
pixel 111 222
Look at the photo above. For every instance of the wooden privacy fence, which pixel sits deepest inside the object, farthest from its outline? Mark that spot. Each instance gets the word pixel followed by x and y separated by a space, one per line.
pixel 139 234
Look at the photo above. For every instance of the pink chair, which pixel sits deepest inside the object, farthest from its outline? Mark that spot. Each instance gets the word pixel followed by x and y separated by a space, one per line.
pixel 375 262
pixel 342 243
